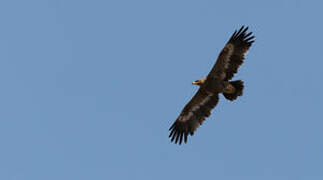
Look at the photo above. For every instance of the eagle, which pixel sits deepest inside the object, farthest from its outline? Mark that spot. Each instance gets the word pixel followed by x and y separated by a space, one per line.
pixel 216 82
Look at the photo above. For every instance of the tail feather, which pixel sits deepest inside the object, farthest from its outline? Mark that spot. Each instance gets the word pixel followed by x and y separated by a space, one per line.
pixel 238 85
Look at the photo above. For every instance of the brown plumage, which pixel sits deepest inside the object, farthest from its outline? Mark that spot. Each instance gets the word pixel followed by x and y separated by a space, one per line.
pixel 216 82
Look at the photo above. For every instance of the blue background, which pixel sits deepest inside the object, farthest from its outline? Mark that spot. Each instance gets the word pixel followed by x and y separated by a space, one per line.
pixel 90 88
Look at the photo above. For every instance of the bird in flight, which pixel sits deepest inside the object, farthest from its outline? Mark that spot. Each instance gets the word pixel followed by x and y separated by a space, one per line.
pixel 216 82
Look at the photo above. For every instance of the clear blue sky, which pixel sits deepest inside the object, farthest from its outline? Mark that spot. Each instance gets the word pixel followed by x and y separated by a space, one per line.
pixel 90 88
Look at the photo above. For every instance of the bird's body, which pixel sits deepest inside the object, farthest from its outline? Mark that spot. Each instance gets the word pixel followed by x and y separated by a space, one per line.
pixel 217 81
pixel 216 85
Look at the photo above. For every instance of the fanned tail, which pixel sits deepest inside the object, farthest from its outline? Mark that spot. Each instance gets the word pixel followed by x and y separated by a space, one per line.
pixel 238 86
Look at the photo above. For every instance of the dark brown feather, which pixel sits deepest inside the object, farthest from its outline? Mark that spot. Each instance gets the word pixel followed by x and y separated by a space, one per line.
pixel 193 115
pixel 241 43
pixel 200 106
pixel 229 61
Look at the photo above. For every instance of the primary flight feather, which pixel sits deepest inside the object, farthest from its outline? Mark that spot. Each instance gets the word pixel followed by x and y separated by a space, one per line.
pixel 215 83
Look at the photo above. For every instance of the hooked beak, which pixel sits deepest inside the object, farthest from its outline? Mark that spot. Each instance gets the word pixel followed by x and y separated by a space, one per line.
pixel 195 83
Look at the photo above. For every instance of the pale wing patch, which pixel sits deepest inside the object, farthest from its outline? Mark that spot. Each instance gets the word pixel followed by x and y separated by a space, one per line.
pixel 185 117
pixel 230 49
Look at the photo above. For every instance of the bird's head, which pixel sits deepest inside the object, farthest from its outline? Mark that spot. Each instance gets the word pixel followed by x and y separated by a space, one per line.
pixel 199 82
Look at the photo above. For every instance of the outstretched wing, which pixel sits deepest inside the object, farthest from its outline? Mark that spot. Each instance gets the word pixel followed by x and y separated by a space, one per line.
pixel 232 55
pixel 193 115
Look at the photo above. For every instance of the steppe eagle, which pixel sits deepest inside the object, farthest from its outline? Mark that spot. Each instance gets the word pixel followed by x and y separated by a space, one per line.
pixel 216 82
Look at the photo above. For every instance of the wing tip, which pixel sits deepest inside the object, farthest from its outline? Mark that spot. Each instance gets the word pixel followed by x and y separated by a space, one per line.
pixel 241 37
pixel 193 118
pixel 178 134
